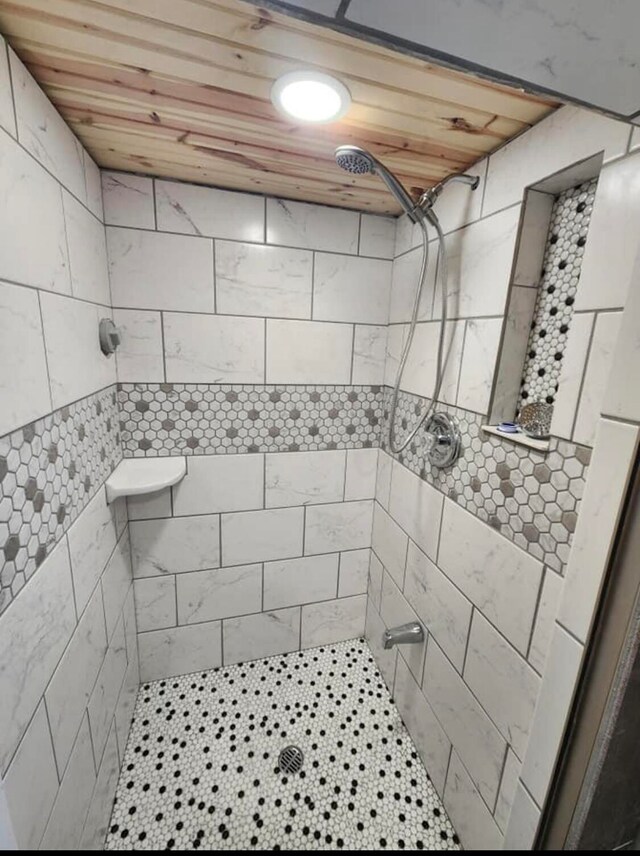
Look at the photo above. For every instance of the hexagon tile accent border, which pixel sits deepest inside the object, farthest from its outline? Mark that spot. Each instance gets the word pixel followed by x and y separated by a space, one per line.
pixel 49 470
pixel 530 497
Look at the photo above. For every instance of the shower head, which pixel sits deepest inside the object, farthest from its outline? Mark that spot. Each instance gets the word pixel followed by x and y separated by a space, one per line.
pixel 358 161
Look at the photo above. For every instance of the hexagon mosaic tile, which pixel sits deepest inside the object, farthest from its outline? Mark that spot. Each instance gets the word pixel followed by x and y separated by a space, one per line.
pixel 200 419
pixel 530 497
pixel 49 470
pixel 200 770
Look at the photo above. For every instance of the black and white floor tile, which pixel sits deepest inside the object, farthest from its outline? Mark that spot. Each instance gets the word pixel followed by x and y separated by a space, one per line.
pixel 200 769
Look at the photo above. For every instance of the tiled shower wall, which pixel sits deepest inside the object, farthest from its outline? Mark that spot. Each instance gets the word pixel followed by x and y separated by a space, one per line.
pixel 478 552
pixel 254 338
pixel 68 649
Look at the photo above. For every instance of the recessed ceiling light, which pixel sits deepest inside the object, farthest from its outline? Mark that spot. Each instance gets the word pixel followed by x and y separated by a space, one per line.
pixel 310 96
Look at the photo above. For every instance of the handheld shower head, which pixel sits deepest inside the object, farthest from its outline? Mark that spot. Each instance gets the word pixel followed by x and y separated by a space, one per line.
pixel 358 161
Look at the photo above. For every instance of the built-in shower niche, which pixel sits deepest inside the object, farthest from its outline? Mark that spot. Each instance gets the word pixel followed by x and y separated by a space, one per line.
pixel 544 285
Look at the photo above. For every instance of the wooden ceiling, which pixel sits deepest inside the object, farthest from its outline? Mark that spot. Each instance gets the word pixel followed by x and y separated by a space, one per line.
pixel 180 88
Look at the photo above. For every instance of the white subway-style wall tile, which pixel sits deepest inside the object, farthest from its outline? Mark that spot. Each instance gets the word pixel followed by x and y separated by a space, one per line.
pixel 468 811
pixel 354 572
pixel 395 610
pixel 596 375
pixel 139 357
pixel 225 592
pixel 383 478
pixel 24 380
pixel 150 505
pixel 481 343
pixel 93 181
pixel 155 603
pixel 622 398
pixel 304 478
pixel 350 288
pixel 275 534
pixel 308 352
pixel 333 621
pixel 385 657
pixel 362 466
pixel 297 581
pixel 313 227
pixel 339 526
pixel 92 539
pixel 208 211
pixel 261 280
pixel 102 704
pixel 87 253
pixel 220 483
pixel 7 114
pixel 377 236
pixel 374 587
pixel 574 363
pixel 508 785
pixel 536 218
pixel 97 822
pixel 175 545
pixel 180 650
pixel 128 200
pixel 404 284
pixel 261 635
pixel 369 352
pixel 389 542
pixel 153 270
pixel 523 822
pixel 213 348
pixel 116 581
pixel 127 700
pixel 416 507
pixel 545 619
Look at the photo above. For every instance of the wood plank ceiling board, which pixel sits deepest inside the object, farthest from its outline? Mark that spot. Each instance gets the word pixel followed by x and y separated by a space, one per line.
pixel 181 89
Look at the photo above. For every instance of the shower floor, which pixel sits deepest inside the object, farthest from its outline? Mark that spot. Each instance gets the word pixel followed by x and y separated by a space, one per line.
pixel 200 767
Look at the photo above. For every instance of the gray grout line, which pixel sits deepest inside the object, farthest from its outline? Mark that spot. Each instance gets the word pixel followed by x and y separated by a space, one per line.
pixel 585 367
pixel 12 93
pixel 536 611
pixel 46 354
pixel 155 205
pixel 164 347
pixel 500 777
pixel 215 278
pixel 570 633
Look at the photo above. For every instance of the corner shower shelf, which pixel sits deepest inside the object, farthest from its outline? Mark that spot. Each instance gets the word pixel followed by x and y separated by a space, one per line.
pixel 518 439
pixel 134 476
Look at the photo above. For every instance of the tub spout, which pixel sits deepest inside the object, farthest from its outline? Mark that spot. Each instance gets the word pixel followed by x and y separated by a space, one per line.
pixel 404 634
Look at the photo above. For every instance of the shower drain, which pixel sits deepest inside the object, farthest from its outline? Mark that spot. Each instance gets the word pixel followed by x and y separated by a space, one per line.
pixel 290 760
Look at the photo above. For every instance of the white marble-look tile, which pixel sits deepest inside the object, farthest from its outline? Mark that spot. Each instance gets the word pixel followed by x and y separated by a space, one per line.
pixel 362 466
pixel 572 371
pixel 622 398
pixel 508 376
pixel 275 534
pixel 383 478
pixel 475 738
pixel 175 545
pixel 523 822
pixel 155 603
pixel 261 635
pixel 480 258
pixel 77 366
pixel 354 572
pixel 92 539
pixel 339 526
pixel 314 227
pixel 504 684
pixel 93 181
pixel 467 810
pixel 458 205
pixel 220 483
pixel 102 704
pixel 432 743
pixel 24 382
pixel 304 478
pixel 396 610
pixel 536 217
pixel 73 680
pixel 333 621
pixel 421 368
pixel 298 581
pixel 369 351
pixel 87 252
pixel 31 783
pixel 408 235
pixel 350 288
pixel 377 236
pixel 179 650
pixel 261 280
pixel 374 587
pixel 127 701
pixel 130 629
pixel 7 836
pixel 396 340
pixel 545 619
pixel 97 822
pixel 154 270
pixel 128 200
pixel 481 343
pixel 508 785
pixel 7 113
pixel 213 348
pixel 208 595
pixel 389 542
pixel 149 506
pixel 208 211
pixel 116 581
pixel 416 507
pixel 34 632
pixel 567 136
pixel 404 284
pixel 612 243
pixel 385 657
pixel 31 205
pixel 308 352
pixel 140 356
pixel 499 578
pixel 609 471
pixel 445 612
pixel 66 821
pixel 556 692
pixel 43 132
pixel 603 344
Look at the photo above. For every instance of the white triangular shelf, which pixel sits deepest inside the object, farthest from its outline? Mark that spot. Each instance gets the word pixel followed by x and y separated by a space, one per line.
pixel 134 476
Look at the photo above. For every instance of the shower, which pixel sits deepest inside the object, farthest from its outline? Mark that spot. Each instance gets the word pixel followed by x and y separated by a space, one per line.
pixel 442 436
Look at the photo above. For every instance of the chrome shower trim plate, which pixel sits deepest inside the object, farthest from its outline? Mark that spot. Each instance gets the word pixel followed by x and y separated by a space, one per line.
pixel 445 446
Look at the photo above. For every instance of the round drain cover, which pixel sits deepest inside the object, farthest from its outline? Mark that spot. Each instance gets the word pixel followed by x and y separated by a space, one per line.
pixel 290 760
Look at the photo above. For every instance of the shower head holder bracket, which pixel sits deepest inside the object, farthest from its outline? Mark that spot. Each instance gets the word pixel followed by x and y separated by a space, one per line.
pixel 445 440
